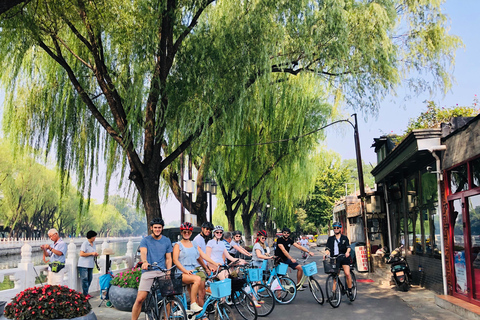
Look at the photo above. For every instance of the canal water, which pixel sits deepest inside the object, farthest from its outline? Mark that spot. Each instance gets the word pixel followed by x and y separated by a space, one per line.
pixel 12 261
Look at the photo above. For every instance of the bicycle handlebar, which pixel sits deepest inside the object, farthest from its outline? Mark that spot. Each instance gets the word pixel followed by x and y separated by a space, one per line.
pixel 154 266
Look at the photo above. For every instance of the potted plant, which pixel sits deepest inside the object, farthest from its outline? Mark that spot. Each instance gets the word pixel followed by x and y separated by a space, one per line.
pixel 124 289
pixel 49 302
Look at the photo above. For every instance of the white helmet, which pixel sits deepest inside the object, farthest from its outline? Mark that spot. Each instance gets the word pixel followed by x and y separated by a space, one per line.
pixel 218 228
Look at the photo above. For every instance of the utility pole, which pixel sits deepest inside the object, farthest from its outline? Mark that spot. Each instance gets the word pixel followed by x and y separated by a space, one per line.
pixel 362 190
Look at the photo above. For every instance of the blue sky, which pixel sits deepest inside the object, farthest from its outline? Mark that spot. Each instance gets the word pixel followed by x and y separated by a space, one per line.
pixel 395 113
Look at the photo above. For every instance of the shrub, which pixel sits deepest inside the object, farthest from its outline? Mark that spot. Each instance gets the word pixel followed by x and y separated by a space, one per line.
pixel 128 279
pixel 47 302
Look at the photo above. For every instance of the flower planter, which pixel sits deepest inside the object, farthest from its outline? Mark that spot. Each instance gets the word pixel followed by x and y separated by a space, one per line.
pixel 122 298
pixel 90 316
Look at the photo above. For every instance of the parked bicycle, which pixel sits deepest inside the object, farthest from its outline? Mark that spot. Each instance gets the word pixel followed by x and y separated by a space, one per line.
pixel 334 286
pixel 162 302
pixel 309 270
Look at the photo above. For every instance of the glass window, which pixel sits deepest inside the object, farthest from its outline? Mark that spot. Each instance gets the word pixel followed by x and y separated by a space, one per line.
pixel 417 243
pixel 475 169
pixel 459 179
pixel 429 189
pixel 435 239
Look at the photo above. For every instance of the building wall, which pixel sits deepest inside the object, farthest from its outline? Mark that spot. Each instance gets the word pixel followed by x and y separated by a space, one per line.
pixel 462 146
pixel 431 276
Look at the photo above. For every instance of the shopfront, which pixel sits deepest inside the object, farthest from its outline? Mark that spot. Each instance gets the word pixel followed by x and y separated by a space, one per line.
pixel 462 189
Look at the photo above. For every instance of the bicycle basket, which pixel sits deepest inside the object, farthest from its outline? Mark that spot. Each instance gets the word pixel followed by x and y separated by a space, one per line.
pixel 170 285
pixel 238 283
pixel 310 269
pixel 281 269
pixel 255 274
pixel 222 288
pixel 330 265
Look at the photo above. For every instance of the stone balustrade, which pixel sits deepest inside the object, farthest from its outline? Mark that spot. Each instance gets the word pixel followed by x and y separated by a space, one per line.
pixel 26 274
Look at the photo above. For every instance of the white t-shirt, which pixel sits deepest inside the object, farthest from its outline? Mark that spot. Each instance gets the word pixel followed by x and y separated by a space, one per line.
pixel 199 241
pixel 304 243
pixel 233 243
pixel 218 247
pixel 87 262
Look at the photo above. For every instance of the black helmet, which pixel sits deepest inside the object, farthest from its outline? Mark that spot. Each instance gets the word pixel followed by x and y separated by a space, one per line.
pixel 234 233
pixel 207 225
pixel 157 221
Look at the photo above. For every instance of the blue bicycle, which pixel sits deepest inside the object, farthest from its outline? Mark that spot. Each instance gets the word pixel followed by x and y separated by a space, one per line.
pixel 215 303
pixel 283 288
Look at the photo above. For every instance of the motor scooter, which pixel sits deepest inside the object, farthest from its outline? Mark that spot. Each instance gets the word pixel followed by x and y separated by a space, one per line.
pixel 401 274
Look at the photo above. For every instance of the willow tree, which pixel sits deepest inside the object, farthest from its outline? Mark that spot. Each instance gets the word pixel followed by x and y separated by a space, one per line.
pixel 137 82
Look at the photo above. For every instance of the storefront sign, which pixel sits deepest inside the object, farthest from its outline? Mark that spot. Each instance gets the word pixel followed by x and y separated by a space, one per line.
pixel 361 256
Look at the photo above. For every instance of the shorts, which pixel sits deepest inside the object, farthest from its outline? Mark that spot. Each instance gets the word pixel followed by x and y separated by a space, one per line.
pixel 344 261
pixel 201 273
pixel 146 279
pixel 291 264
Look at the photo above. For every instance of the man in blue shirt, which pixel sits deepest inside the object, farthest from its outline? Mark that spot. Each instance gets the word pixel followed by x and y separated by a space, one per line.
pixel 57 252
pixel 153 248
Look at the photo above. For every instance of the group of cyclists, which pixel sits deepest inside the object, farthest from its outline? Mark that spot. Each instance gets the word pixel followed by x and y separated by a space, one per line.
pixel 197 258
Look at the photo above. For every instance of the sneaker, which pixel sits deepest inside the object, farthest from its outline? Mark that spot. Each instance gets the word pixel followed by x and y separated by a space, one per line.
pixel 208 290
pixel 88 297
pixel 299 288
pixel 195 307
pixel 349 290
pixel 257 305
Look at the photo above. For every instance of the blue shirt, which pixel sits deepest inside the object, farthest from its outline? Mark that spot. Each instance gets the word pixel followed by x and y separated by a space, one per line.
pixel 60 246
pixel 156 249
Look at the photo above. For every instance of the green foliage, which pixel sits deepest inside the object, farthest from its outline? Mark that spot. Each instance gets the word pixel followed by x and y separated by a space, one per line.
pixel 47 302
pixel 95 79
pixel 329 187
pixel 434 116
pixel 127 279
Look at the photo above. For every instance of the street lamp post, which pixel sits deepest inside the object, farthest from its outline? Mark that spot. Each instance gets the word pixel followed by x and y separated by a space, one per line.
pixel 210 187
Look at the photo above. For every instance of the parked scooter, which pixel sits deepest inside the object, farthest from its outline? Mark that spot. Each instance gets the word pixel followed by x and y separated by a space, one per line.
pixel 401 274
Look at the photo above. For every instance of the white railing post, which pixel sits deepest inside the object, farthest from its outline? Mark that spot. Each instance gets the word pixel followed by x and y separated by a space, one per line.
pixel 71 266
pixel 27 278
pixel 129 254
pixel 103 259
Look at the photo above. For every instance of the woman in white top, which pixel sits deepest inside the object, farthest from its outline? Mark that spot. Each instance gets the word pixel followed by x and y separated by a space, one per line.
pixel 260 249
pixel 217 251
pixel 88 252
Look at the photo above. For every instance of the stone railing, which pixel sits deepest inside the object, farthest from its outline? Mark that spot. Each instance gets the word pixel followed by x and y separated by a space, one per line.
pixel 25 275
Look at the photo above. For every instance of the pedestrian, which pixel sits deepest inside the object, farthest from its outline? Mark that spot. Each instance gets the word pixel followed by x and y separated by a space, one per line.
pixel 153 248
pixel 86 262
pixel 57 252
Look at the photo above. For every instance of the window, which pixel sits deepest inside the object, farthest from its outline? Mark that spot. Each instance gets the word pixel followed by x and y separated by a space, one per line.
pixel 475 169
pixel 459 179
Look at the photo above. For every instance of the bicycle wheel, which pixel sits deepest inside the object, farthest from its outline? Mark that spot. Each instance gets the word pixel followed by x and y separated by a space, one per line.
pixel 244 305
pixel 316 290
pixel 334 295
pixel 151 308
pixel 172 309
pixel 262 293
pixel 223 312
pixel 353 295
pixel 284 289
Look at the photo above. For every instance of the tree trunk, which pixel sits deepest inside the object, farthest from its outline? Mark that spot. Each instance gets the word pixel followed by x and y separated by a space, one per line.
pixel 246 230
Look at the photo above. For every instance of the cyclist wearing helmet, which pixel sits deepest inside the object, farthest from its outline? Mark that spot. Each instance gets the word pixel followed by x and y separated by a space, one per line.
pixel 337 244
pixel 203 237
pixel 217 251
pixel 236 248
pixel 188 260
pixel 259 252
pixel 153 248
pixel 283 253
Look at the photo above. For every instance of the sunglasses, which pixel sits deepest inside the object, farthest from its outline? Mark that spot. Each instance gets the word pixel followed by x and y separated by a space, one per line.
pixel 262 238
pixel 286 233
pixel 337 228
pixel 187 231
pixel 218 232
pixel 238 236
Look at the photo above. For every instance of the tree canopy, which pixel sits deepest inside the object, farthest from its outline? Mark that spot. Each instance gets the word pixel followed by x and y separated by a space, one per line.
pixel 138 82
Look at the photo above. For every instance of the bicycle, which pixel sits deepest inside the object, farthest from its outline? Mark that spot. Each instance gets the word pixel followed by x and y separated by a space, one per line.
pixel 162 302
pixel 215 303
pixel 259 292
pixel 334 286
pixel 308 271
pixel 283 288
